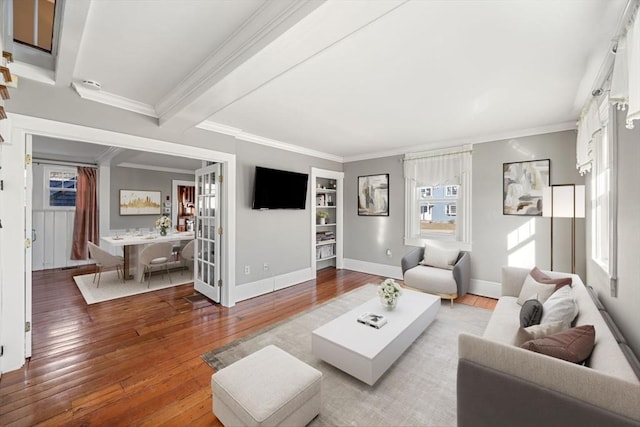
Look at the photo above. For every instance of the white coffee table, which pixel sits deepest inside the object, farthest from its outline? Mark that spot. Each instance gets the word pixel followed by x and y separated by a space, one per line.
pixel 365 352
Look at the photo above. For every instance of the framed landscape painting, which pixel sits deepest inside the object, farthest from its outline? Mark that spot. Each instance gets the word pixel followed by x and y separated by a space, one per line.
pixel 140 202
pixel 522 184
pixel 373 195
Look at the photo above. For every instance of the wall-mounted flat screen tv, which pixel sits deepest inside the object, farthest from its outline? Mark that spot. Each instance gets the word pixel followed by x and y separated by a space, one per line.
pixel 278 189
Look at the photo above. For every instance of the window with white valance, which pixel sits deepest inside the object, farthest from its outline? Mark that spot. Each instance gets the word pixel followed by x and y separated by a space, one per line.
pixel 438 196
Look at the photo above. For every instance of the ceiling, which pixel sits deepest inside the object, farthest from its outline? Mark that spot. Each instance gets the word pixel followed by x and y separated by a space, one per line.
pixel 343 80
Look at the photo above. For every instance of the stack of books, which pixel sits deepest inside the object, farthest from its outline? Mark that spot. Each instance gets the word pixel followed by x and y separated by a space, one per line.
pixel 374 320
pixel 324 236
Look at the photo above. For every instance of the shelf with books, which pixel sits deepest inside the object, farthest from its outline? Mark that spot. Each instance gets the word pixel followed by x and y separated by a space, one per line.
pixel 326 242
pixel 327 211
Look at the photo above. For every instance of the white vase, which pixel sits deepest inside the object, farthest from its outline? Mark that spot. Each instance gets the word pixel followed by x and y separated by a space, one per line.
pixel 388 304
pixel 323 221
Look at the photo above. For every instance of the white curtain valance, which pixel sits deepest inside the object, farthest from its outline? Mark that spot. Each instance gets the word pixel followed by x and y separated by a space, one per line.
pixel 625 79
pixel 440 169
pixel 588 127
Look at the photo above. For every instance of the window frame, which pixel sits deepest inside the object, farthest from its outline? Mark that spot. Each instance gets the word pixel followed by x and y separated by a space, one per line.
pixel 46 189
pixel 413 201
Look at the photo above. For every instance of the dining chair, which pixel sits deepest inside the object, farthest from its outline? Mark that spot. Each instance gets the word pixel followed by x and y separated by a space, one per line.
pixel 155 255
pixel 187 254
pixel 105 260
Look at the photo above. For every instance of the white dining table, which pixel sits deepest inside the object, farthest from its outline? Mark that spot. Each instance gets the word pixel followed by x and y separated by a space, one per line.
pixel 132 244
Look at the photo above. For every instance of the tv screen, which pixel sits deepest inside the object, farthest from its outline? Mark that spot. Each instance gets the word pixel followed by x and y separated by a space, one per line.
pixel 278 189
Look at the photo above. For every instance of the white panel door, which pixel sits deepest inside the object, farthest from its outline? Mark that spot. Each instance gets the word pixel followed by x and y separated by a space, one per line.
pixel 208 232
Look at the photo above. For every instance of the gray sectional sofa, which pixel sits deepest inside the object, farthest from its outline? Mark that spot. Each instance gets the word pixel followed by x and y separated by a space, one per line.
pixel 501 384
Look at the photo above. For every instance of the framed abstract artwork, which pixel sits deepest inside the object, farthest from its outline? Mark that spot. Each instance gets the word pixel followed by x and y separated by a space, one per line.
pixel 522 184
pixel 373 195
pixel 140 202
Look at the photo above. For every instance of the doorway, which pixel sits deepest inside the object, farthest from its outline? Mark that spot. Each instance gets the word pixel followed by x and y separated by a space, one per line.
pixel 14 154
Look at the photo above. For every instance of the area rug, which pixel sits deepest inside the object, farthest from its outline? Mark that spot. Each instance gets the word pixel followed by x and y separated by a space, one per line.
pixel 112 288
pixel 418 390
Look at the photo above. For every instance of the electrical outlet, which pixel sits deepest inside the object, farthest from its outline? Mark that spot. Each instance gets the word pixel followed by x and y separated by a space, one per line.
pixel 265 266
pixel 247 269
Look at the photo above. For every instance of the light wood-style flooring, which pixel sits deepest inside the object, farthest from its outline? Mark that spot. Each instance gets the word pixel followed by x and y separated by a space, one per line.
pixel 136 360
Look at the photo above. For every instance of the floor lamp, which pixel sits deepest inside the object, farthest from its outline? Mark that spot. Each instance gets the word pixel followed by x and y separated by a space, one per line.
pixel 564 201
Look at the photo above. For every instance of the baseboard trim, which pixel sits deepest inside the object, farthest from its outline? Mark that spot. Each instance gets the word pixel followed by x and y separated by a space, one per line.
pixel 385 270
pixel 485 288
pixel 270 284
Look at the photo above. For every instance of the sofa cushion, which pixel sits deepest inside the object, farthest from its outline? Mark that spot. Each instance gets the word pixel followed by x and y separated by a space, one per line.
pixel 560 307
pixel 532 287
pixel 537 331
pixel 559 282
pixel 431 279
pixel 504 322
pixel 574 345
pixel 531 313
pixel 435 256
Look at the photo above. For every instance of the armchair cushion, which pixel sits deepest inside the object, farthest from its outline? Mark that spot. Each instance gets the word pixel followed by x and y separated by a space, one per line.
pixel 435 256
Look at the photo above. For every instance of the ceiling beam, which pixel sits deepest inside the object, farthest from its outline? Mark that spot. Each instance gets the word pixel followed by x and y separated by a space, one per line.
pixel 272 20
pixel 74 18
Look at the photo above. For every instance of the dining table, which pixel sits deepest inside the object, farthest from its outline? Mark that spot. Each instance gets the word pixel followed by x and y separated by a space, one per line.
pixel 133 243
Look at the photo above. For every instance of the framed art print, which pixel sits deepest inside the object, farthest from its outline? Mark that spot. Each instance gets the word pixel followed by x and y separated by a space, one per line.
pixel 522 184
pixel 140 202
pixel 373 195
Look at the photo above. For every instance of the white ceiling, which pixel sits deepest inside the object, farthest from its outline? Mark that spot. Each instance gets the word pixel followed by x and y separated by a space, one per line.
pixel 343 79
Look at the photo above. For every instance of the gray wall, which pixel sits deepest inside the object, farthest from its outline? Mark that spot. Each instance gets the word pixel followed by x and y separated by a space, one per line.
pixel 504 239
pixel 624 307
pixel 281 237
pixel 368 237
pixel 139 179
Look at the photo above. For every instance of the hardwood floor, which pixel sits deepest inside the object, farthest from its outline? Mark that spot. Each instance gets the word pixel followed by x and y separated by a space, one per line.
pixel 136 360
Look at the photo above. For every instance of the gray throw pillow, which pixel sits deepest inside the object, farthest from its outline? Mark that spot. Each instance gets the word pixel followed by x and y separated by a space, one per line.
pixel 530 313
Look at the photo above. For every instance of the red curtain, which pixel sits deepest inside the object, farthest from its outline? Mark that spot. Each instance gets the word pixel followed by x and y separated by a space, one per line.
pixel 85 225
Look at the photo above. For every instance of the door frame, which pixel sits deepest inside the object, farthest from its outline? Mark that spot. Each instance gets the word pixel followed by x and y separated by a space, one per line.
pixel 14 297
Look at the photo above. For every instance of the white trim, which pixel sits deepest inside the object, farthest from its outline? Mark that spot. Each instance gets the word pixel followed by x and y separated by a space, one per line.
pixel 293 278
pixel 485 288
pixel 274 283
pixel 13 276
pixel 114 100
pixel 273 143
pixel 32 72
pixel 155 168
pixel 460 141
pixel 384 270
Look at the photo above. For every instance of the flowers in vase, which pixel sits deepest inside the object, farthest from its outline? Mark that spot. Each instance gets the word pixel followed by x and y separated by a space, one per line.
pixel 163 223
pixel 389 291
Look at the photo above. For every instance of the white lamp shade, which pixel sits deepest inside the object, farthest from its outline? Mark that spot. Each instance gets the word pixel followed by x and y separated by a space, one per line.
pixel 561 199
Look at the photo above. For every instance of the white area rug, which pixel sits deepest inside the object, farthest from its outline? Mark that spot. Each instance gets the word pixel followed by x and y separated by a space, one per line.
pixel 112 288
pixel 418 390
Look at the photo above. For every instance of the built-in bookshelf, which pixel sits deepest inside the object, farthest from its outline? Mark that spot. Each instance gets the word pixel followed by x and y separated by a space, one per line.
pixel 326 229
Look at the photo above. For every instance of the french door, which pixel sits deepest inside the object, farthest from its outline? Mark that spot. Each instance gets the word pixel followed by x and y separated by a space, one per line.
pixel 208 232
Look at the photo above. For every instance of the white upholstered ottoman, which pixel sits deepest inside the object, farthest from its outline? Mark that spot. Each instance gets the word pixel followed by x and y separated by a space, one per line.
pixel 269 387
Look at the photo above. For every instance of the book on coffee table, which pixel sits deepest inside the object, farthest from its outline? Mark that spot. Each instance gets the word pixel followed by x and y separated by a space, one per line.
pixel 371 319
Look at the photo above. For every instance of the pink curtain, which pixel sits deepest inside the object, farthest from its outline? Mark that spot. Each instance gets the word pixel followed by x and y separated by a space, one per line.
pixel 85 226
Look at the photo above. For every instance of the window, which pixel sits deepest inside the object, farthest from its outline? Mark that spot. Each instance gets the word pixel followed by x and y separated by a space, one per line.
pixel 438 196
pixel 451 191
pixel 451 209
pixel 601 194
pixel 33 23
pixel 60 187
pixel 426 192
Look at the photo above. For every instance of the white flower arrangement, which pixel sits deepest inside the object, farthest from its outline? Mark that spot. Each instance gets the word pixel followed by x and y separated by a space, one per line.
pixel 389 291
pixel 163 223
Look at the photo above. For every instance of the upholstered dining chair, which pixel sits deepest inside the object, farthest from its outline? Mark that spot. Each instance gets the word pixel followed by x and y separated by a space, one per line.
pixel 187 254
pixel 156 255
pixel 105 260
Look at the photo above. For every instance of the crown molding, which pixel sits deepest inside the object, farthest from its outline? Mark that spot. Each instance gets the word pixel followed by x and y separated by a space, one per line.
pixel 155 168
pixel 114 100
pixel 267 23
pixel 559 127
pixel 104 159
pixel 33 72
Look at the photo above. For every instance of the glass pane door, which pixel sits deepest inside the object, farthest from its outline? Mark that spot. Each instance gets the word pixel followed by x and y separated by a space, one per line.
pixel 207 253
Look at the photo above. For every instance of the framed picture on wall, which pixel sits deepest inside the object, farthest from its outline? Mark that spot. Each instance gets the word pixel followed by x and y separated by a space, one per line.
pixel 140 202
pixel 522 184
pixel 373 195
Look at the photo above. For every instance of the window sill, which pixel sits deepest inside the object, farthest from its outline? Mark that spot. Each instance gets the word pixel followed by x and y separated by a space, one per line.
pixel 448 240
